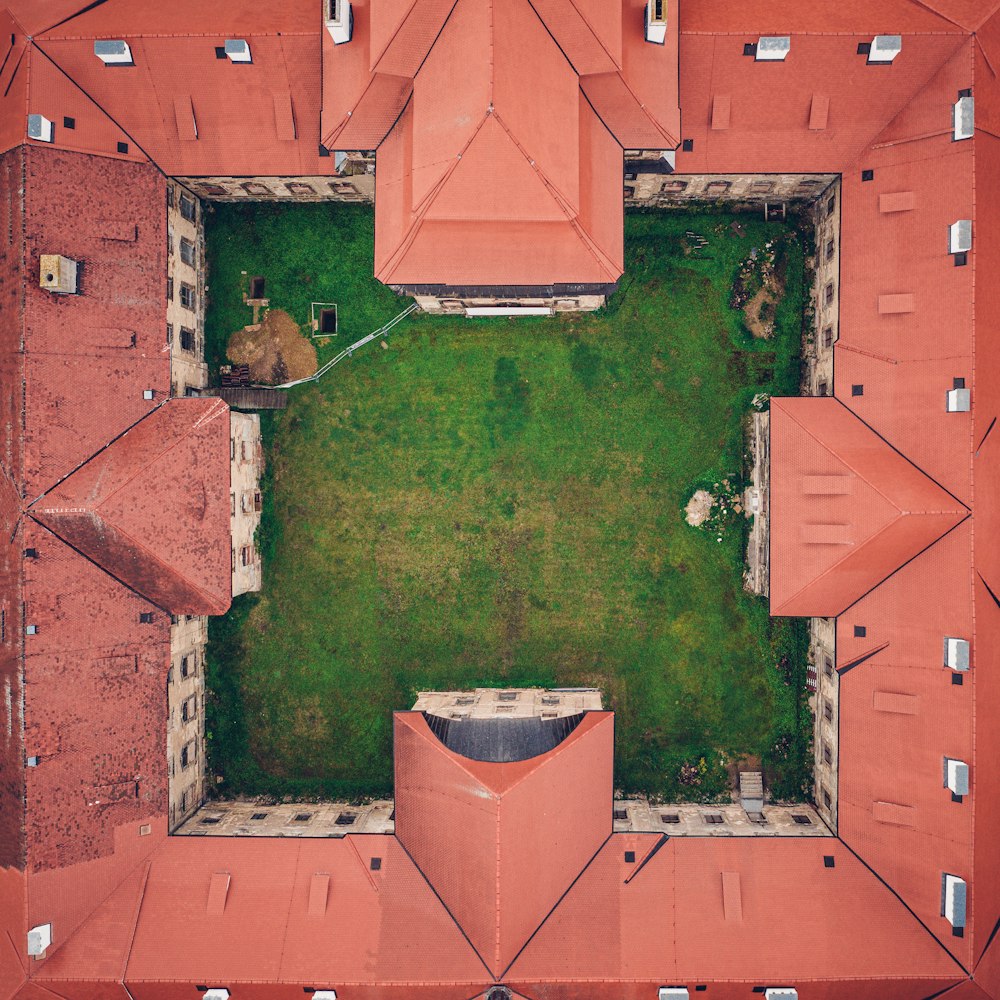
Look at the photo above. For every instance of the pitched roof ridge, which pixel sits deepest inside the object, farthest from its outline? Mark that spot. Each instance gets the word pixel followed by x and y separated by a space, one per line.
pixel 402 23
pixel 987 17
pixel 639 104
pixel 876 142
pixel 597 38
pixel 392 36
pixel 334 134
pixel 879 490
pixel 944 17
pixel 100 107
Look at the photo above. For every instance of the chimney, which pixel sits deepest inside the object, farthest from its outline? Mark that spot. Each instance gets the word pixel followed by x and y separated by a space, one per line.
pixel 58 274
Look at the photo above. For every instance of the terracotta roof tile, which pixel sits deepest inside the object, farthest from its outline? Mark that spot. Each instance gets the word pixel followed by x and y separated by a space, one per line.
pixel 830 471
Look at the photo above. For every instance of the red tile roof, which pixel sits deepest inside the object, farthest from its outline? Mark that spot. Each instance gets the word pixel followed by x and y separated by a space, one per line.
pixel 848 510
pixel 151 509
pixel 532 185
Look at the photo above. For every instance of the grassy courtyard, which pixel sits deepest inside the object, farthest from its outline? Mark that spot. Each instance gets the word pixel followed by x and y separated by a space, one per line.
pixel 498 502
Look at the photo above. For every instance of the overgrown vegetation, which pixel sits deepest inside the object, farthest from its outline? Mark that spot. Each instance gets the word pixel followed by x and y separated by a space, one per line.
pixel 495 502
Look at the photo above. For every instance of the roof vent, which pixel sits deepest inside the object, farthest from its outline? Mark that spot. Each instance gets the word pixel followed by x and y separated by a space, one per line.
pixel 339 20
pixel 39 938
pixel 57 274
pixel 773 48
pixel 40 128
pixel 885 48
pixel 656 21
pixel 953 900
pixel 113 52
pixel 959 401
pixel 781 993
pixel 238 50
pixel 956 653
pixel 216 993
pixel 956 776
pixel 673 993
pixel 960 236
pixel 964 117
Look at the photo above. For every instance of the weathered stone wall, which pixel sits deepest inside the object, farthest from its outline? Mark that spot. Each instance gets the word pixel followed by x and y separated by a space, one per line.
pixel 185 333
pixel 644 189
pixel 246 469
pixel 337 187
pixel 186 716
pixel 817 354
pixel 826 708
pixel 457 306
pixel 756 502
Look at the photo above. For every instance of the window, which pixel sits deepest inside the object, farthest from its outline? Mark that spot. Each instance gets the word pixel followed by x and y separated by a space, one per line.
pixel 170 289
pixel 212 190
pixel 857 390
pixel 146 617
pixel 69 123
pixel 345 819
pixel 300 188
pixel 245 555
pixel 620 814
pixel 860 631
pixel 232 504
pixel 630 857
pixel 232 449
pixel 827 711
pixel 123 147
pixel 868 175
pixel 831 205
pixel 827 753
pixel 821 389
pixel 302 817
pixel 828 294
pixel 687 145
pixel 508 696
pixel 185 757
pixel 762 187
pixel 828 666
pixel 669 818
pixel 714 819
pixel 828 337
pixel 801 819
pixel 673 187
pixel 827 801
pixel 376 864
pixel 209 820
pixel 187 208
pixel 187 338
pixel 187 297
pixel 187 251
pixel 829 249
pixel 170 196
pixel 255 189
pixel 259 816
pixel 718 188
pixel 170 333
pixel 185 666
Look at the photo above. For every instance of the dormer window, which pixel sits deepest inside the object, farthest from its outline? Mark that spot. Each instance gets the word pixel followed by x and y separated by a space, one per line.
pixel 339 20
pixel 773 48
pixel 963 118
pixel 956 654
pixel 656 21
pixel 885 48
pixel 113 52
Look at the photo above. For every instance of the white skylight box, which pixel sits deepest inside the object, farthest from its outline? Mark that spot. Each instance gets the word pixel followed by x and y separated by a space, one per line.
pixel 673 993
pixel 216 993
pixel 324 995
pixel 39 938
pixel 959 400
pixel 964 117
pixel 113 52
pixel 773 48
pixel 238 50
pixel 953 902
pixel 956 776
pixel 40 128
pixel 656 21
pixel 960 236
pixel 781 993
pixel 956 653
pixel 885 48
pixel 339 20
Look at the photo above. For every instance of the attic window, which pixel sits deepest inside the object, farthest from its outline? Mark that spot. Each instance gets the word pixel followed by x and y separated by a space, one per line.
pixel 800 819
pixel 687 146
pixel 656 21
pixel 220 52
pixel 884 48
pixel 829 861
pixel 750 49
pixel 773 48
pixel 963 117
pixel 123 147
pixel 31 553
pixel 146 618
pixel 237 50
pixel 857 390
pixel 113 52
pixel 860 631
pixel 40 128
pixel 960 236
pixel 630 857
pixel 69 123
pixel 868 175
pixel 673 993
pixel 864 48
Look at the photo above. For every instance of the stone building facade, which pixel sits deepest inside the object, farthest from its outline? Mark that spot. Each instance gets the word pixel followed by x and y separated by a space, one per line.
pixel 347 186
pixel 246 468
pixel 186 716
pixel 818 370
pixel 826 709
pixel 185 290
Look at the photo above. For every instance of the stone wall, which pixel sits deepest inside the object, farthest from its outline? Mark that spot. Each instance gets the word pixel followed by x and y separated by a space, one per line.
pixel 337 187
pixel 185 333
pixel 186 716
pixel 826 708
pixel 486 703
pixel 817 354
pixel 454 303
pixel 756 503
pixel 645 189
pixel 246 469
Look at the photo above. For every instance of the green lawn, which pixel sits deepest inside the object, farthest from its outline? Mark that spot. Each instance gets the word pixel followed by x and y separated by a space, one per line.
pixel 497 502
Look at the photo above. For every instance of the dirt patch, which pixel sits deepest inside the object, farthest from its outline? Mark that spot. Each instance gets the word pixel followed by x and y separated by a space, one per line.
pixel 758 288
pixel 699 507
pixel 275 349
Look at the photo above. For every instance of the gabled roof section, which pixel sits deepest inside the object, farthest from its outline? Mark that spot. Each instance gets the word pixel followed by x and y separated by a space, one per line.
pixel 510 855
pixel 846 509
pixel 664 919
pixel 499 169
pixel 152 508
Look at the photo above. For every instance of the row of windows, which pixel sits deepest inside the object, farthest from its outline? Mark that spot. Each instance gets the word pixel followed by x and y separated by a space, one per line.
pixel 246 556
pixel 710 818
pixel 256 189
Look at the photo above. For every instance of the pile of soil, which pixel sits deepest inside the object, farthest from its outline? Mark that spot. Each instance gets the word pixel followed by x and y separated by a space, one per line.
pixel 758 288
pixel 699 507
pixel 275 350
